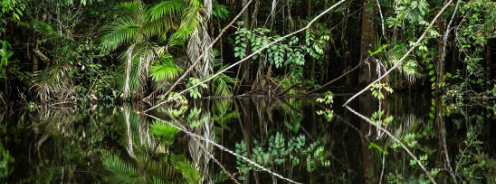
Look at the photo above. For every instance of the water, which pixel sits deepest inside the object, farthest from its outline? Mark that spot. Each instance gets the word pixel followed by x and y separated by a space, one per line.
pixel 289 140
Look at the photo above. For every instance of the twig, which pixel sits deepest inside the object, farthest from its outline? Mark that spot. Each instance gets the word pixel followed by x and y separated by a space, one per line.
pixel 382 20
pixel 404 57
pixel 289 88
pixel 395 139
pixel 336 79
pixel 383 167
pixel 251 55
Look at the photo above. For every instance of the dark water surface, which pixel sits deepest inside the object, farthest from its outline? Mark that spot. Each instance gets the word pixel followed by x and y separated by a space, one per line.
pixel 295 139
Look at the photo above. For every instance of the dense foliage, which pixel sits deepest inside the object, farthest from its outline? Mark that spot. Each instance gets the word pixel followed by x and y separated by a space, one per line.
pixel 83 51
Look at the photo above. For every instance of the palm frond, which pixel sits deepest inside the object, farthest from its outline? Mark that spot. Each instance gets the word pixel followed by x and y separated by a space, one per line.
pixel 158 28
pixel 186 168
pixel 124 30
pixel 164 131
pixel 122 172
pixel 166 9
pixel 130 8
pixel 409 69
pixel 190 22
pixel 54 83
pixel 194 3
pixel 221 85
pixel 165 70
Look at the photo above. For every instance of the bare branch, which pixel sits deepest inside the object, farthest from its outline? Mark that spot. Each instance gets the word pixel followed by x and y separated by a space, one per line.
pixel 404 56
pixel 252 54
pixel 395 139
pixel 382 19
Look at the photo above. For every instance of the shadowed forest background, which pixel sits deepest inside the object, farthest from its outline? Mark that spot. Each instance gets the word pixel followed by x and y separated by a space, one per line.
pixel 250 91
pixel 70 51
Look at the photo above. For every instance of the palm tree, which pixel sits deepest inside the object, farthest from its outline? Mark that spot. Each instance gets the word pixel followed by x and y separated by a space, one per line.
pixel 136 28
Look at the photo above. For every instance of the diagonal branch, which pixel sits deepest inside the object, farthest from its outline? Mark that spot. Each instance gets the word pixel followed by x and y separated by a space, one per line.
pixel 404 56
pixel 395 139
pixel 336 79
pixel 225 149
pixel 209 154
pixel 252 54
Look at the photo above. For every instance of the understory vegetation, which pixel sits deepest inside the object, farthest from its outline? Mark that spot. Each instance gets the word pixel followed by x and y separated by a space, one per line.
pixel 87 51
pixel 66 64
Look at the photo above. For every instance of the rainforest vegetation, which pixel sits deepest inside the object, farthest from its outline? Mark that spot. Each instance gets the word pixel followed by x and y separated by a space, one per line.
pixel 79 51
pixel 247 91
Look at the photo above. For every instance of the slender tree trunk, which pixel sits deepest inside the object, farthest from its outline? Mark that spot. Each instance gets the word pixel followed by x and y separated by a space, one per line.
pixel 6 87
pixel 310 14
pixel 440 66
pixel 246 66
pixel 488 60
pixel 368 41
pixel 394 39
pixel 368 155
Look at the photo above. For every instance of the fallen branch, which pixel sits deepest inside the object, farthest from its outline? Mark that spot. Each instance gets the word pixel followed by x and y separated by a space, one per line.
pixel 395 139
pixel 289 88
pixel 336 79
pixel 405 56
pixel 252 54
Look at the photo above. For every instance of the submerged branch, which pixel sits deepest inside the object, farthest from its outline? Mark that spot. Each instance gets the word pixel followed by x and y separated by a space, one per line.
pixel 404 56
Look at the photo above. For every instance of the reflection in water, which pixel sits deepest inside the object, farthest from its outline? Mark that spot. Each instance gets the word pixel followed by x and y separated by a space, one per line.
pixel 252 141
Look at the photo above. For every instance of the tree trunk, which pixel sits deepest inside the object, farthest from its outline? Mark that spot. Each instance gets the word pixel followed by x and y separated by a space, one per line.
pixel 367 105
pixel 246 66
pixel 312 66
pixel 367 41
pixel 488 60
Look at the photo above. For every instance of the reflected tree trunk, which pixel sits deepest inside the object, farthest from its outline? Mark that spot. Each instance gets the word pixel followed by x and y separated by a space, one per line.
pixel 246 128
pixel 368 155
pixel 443 143
pixel 488 60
